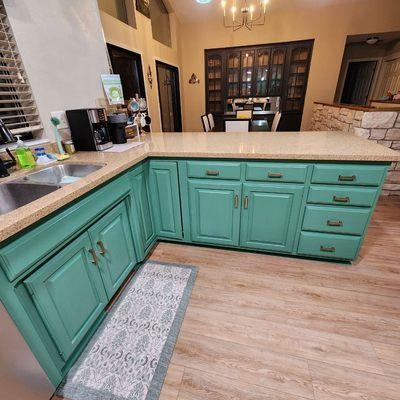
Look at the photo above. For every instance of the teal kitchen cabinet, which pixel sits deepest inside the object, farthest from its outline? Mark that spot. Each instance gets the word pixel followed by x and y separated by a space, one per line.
pixel 141 195
pixel 214 208
pixel 113 249
pixel 69 294
pixel 165 198
pixel 270 215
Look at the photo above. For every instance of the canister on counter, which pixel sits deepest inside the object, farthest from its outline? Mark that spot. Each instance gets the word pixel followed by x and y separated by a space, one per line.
pixel 69 146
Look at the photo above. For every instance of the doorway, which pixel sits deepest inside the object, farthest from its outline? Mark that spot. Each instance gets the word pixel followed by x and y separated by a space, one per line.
pixel 129 66
pixel 358 82
pixel 169 97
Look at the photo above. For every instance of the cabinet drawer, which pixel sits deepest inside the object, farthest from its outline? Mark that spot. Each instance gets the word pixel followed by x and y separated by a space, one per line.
pixel 342 196
pixel 366 175
pixel 328 245
pixel 276 172
pixel 213 169
pixel 350 221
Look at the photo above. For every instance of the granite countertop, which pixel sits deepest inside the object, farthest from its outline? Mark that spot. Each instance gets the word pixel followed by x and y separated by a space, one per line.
pixel 312 146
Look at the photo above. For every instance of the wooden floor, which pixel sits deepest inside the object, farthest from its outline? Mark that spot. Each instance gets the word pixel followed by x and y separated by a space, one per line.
pixel 268 327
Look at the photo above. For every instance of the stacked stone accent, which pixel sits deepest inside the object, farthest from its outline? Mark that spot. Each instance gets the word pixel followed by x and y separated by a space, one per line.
pixel 381 126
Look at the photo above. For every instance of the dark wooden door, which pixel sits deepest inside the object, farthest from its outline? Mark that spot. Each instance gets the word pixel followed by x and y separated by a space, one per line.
pixel 357 85
pixel 169 97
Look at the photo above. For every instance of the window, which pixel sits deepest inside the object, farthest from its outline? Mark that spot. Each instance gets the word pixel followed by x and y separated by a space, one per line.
pixel 160 22
pixel 129 66
pixel 17 105
pixel 123 10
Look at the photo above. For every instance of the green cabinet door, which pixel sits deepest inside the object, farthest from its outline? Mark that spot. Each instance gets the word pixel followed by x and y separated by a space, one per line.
pixel 69 294
pixel 113 243
pixel 165 198
pixel 270 215
pixel 214 208
pixel 139 180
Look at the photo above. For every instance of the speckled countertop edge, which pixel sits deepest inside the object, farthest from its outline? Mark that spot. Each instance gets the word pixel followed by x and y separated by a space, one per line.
pixel 117 163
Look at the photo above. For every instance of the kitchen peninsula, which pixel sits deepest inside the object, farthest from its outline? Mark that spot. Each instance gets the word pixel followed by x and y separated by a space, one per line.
pixel 308 194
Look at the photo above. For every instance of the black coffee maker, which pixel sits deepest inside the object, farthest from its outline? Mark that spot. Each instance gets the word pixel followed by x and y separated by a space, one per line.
pixel 116 126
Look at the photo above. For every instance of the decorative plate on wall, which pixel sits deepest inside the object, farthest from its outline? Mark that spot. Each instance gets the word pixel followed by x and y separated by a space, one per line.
pixel 143 6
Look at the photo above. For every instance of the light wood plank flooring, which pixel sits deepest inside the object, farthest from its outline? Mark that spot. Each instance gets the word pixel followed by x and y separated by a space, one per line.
pixel 270 327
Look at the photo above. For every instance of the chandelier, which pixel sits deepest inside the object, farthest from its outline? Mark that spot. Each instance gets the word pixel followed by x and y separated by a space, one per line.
pixel 250 13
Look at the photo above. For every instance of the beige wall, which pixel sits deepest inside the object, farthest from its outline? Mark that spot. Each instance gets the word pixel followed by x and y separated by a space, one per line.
pixel 141 41
pixel 329 26
pixel 63 51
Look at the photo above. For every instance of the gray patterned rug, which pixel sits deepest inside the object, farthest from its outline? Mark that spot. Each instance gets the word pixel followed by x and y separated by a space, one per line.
pixel 128 357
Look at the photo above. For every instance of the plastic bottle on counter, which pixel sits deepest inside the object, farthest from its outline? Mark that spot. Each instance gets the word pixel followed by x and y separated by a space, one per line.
pixel 24 154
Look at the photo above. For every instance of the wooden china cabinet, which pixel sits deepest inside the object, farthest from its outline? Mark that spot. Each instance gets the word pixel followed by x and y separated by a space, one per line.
pixel 270 70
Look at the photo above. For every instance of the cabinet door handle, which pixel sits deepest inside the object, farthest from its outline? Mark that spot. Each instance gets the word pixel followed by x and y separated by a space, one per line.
pixel 347 178
pixel 341 199
pixel 328 249
pixel 102 248
pixel 236 201
pixel 212 173
pixel 94 256
pixel 246 202
pixel 334 223
pixel 275 175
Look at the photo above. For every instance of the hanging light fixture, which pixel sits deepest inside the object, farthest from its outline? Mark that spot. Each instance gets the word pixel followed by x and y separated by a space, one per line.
pixel 250 13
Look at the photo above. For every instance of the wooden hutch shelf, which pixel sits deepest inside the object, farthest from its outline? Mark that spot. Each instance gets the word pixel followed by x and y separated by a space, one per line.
pixel 270 70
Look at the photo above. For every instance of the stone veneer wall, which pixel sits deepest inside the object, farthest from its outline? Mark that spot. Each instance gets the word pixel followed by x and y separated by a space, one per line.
pixel 381 126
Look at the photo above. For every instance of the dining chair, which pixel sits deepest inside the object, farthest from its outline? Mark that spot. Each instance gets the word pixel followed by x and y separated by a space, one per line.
pixel 211 121
pixel 206 123
pixel 237 125
pixel 244 114
pixel 275 122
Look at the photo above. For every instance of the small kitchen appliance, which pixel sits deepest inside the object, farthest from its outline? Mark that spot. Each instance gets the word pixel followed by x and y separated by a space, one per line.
pixel 89 130
pixel 116 125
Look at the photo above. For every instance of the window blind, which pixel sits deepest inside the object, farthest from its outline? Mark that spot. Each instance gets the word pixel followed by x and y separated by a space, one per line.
pixel 17 106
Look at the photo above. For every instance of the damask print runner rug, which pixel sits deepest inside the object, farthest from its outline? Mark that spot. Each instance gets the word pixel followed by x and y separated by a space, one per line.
pixel 128 357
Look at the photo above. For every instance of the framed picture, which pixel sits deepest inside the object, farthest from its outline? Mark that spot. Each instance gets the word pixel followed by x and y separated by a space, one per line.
pixel 143 6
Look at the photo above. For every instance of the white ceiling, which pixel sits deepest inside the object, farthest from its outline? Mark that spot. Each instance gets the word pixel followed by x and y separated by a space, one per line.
pixel 189 11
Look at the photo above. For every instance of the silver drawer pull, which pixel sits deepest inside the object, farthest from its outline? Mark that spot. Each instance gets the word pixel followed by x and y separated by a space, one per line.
pixel 328 249
pixel 347 178
pixel 341 199
pixel 212 173
pixel 334 223
pixel 275 175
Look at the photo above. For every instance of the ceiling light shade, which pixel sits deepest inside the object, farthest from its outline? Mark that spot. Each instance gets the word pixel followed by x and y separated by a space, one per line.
pixel 204 1
pixel 372 40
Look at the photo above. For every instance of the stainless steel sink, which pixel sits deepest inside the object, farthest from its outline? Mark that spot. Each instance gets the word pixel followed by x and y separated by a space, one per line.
pixel 17 194
pixel 62 174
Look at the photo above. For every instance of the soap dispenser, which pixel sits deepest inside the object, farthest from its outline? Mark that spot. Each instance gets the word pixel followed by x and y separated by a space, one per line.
pixel 24 155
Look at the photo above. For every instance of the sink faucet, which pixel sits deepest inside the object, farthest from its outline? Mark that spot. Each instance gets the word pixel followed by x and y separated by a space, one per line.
pixel 5 164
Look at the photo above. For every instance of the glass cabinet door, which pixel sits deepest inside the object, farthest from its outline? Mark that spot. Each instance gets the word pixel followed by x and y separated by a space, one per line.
pixel 214 83
pixel 246 72
pixel 297 79
pixel 233 70
pixel 261 72
pixel 277 69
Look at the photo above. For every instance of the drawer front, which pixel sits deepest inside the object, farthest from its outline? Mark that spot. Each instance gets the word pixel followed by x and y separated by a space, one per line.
pixel 351 221
pixel 342 196
pixel 276 172
pixel 328 245
pixel 364 175
pixel 213 169
pixel 22 253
